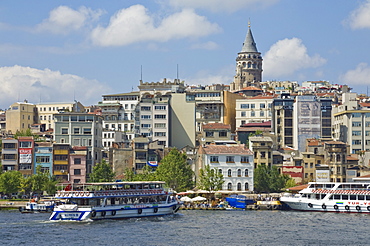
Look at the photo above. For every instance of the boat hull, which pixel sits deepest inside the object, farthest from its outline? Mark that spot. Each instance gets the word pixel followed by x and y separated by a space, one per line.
pixel 326 206
pixel 113 212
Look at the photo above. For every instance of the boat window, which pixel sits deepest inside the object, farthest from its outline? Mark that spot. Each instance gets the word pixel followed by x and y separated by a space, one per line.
pixel 319 186
pixel 346 186
pixel 336 197
pixel 322 196
pixel 317 196
pixel 304 195
pixel 146 186
pixel 329 186
pixel 352 197
pixel 344 197
pixel 368 198
pixel 331 197
pixel 360 197
pixel 152 186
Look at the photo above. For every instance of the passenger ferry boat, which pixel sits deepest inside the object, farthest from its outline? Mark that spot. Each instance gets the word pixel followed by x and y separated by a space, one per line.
pixel 331 197
pixel 114 200
pixel 40 207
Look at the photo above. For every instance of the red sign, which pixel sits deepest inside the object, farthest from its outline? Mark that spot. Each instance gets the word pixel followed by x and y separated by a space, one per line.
pixel 25 151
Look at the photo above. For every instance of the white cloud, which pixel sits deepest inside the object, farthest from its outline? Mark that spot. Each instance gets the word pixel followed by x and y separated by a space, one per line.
pixel 63 19
pixel 222 5
pixel 288 56
pixel 205 77
pixel 135 25
pixel 19 83
pixel 360 17
pixel 358 76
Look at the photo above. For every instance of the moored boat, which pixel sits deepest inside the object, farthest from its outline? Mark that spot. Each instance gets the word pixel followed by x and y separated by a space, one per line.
pixel 40 207
pixel 115 200
pixel 331 197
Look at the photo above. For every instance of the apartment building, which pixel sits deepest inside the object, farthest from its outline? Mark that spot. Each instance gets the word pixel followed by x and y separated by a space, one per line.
pixel 233 161
pixel 77 164
pixel 9 155
pixel 256 109
pixel 20 116
pixel 43 157
pixel 26 147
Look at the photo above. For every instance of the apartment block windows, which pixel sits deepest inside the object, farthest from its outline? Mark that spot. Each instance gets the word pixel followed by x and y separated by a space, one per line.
pixel 244 159
pixel 356 133
pixel 160 134
pixel 253 113
pixel 243 114
pixel 160 116
pixel 229 172
pixel 356 124
pixel 77 161
pixel 42 159
pixel 229 159
pixel 76 130
pixel 214 159
pixel 77 172
pixel 222 134
pixel 262 105
pixel 246 173
pixel 87 130
pixel 160 125
pixel 356 142
pixel 160 107
pixel 145 108
pixel 64 130
pixel 244 105
pixel 209 134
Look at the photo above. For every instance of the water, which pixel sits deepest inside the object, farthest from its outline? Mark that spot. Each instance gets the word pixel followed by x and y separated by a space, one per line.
pixel 191 227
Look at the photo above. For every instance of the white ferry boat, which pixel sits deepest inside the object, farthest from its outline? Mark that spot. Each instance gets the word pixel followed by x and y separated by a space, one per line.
pixel 114 200
pixel 40 207
pixel 331 197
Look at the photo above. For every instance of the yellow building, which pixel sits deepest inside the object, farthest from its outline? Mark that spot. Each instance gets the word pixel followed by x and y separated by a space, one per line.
pixel 20 116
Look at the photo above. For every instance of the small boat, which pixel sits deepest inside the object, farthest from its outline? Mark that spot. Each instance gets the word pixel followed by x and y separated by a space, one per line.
pixel 115 200
pixel 266 205
pixel 331 197
pixel 239 201
pixel 40 207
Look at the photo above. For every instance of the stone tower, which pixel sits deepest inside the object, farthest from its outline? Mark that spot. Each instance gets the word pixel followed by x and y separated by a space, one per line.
pixel 248 64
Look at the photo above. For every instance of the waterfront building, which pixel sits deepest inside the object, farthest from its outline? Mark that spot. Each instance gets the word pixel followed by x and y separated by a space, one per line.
pixel 77 164
pixel 80 129
pixel 43 157
pixel 20 116
pixel 234 161
pixel 61 161
pixel 248 65
pixel 9 155
pixel 26 151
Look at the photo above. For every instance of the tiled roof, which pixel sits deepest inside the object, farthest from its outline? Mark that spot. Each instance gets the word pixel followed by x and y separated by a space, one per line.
pixel 351 158
pixel 314 142
pixel 227 149
pixel 216 126
pixel 335 142
pixel 263 97
pixel 251 88
pixel 365 104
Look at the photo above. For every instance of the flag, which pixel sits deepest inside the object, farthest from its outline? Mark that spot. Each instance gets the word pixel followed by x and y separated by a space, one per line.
pixel 68 187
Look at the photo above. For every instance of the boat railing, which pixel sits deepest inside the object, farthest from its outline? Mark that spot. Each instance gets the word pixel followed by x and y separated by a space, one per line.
pixel 78 193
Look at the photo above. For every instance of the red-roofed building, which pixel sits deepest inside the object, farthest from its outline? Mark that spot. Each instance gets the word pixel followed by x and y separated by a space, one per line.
pixel 215 131
pixel 234 161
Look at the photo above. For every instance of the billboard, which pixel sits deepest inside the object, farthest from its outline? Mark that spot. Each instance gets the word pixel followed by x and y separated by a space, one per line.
pixel 295 172
pixel 322 176
pixel 25 156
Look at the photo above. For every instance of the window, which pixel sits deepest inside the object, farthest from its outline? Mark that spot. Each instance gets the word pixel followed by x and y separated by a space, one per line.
pixel 220 171
pixel 239 172
pixel 145 108
pixel 87 130
pixel 214 159
pixel 9 157
pixel 262 113
pixel 229 186
pixel 229 159
pixel 25 144
pixel 76 130
pixel 160 134
pixel 77 161
pixel 239 186
pixel 64 130
pixel 160 107
pixel 244 159
pixel 244 105
pixel 160 125
pixel 253 113
pixel 356 124
pixel 356 142
pixel 243 114
pixel 222 134
pixel 160 116
pixel 229 172
pixel 146 117
pixel 9 146
pixel 42 159
pixel 356 115
pixel 145 125
pixel 356 133
pixel 246 186
pixel 253 105
pixel 262 105
pixel 77 172
pixel 209 134
pixel 246 173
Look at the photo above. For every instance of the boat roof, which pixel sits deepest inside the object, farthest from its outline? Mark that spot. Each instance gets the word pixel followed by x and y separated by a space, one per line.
pixel 116 183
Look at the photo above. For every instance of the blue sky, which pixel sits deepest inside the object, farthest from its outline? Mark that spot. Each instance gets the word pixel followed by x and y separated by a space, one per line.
pixel 56 51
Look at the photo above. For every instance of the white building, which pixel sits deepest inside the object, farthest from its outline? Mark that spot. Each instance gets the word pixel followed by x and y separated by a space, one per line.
pixel 253 110
pixel 234 161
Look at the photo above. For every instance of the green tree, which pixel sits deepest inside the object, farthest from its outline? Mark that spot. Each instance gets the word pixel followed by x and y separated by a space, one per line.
pixel 210 179
pixel 175 171
pixel 26 133
pixel 102 172
pixel 268 179
pixel 10 182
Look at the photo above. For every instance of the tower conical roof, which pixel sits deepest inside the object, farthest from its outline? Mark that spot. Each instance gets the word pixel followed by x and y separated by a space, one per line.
pixel 249 45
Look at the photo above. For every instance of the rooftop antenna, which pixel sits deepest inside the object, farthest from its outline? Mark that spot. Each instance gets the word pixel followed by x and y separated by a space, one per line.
pixel 177 71
pixel 249 22
pixel 141 72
